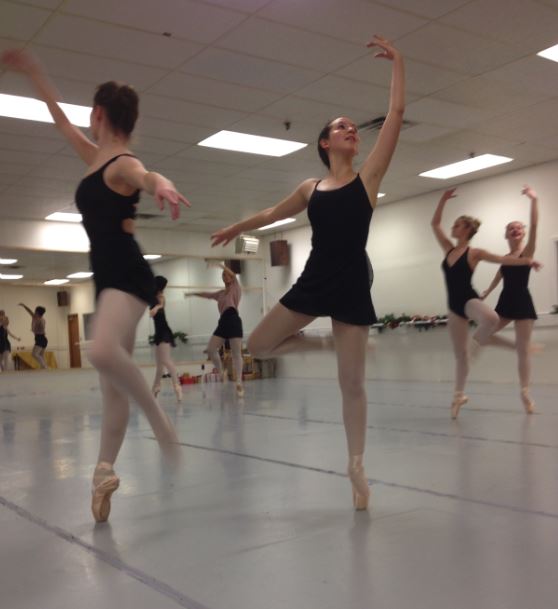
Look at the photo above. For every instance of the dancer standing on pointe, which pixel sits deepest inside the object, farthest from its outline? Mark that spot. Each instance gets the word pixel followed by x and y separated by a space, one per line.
pixel 515 302
pixel 164 340
pixel 38 327
pixel 335 281
pixel 107 197
pixel 463 302
pixel 5 346
pixel 229 326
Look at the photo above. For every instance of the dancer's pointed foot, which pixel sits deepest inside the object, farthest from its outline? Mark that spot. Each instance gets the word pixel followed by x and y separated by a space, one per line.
pixel 459 398
pixel 361 490
pixel 239 390
pixel 105 482
pixel 156 390
pixel 528 403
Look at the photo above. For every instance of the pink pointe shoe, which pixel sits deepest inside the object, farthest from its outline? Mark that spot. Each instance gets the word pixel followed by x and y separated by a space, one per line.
pixel 361 490
pixel 459 398
pixel 105 482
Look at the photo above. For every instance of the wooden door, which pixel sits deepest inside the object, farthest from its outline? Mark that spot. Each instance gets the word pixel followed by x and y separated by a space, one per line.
pixel 73 338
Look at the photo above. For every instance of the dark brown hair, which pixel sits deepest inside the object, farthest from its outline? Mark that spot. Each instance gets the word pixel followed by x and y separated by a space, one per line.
pixel 121 104
pixel 324 135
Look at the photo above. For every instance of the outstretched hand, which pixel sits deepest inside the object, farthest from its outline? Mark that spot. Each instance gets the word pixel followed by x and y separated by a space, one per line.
pixel 449 194
pixel 174 198
pixel 19 61
pixel 224 236
pixel 535 264
pixel 529 192
pixel 388 51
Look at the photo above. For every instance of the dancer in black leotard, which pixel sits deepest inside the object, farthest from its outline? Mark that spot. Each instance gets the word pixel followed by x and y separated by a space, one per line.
pixel 164 340
pixel 463 302
pixel 107 197
pixel 515 302
pixel 335 280
pixel 38 327
pixel 5 346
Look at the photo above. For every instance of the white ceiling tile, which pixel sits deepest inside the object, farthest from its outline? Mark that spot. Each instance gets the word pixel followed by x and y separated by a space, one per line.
pixel 22 157
pixel 204 91
pixel 249 71
pixel 188 112
pixel 315 113
pixel 486 92
pixel 352 93
pixel 424 133
pixel 279 42
pixel 211 155
pixel 20 21
pixel 94 69
pixel 177 132
pixel 110 41
pixel 48 4
pixel 31 144
pixel 155 145
pixel 28 128
pixel 535 74
pixel 426 8
pixel 349 20
pixel 420 78
pixel 248 6
pixel 524 125
pixel 182 18
pixel 527 25
pixel 437 112
pixel 450 48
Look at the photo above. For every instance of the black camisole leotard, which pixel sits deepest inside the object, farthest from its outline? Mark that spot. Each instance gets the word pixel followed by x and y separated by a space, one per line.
pixel 458 283
pixel 163 333
pixel 116 259
pixel 515 301
pixel 336 280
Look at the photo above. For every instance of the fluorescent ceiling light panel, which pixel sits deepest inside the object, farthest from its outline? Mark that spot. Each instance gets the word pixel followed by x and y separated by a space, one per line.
pixel 28 108
pixel 2 276
pixel 254 144
pixel 80 275
pixel 467 166
pixel 278 223
pixel 63 216
pixel 8 260
pixel 152 256
pixel 56 281
pixel 381 194
pixel 550 53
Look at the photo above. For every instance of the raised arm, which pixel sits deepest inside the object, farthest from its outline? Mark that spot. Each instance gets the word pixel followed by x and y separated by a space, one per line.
pixel 436 221
pixel 377 162
pixel 23 61
pixel 27 309
pixel 292 205
pixel 529 250
pixel 493 284
pixel 131 171
pixel 478 255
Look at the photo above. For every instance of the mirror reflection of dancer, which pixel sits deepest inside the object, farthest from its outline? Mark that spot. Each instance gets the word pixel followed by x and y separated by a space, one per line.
pixel 164 340
pixel 38 327
pixel 229 326
pixel 463 302
pixel 515 302
pixel 5 346
pixel 107 197
pixel 335 282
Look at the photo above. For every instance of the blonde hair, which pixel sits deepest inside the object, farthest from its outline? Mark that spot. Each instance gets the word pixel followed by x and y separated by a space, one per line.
pixel 472 224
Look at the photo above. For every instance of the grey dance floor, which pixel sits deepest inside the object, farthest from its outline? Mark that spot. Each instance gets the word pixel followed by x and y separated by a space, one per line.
pixel 464 514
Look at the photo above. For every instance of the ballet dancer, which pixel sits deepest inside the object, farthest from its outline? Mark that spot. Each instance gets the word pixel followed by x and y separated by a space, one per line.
pixel 464 303
pixel 107 197
pixel 164 340
pixel 335 282
pixel 5 346
pixel 229 326
pixel 38 327
pixel 515 302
